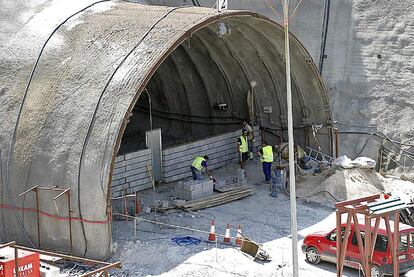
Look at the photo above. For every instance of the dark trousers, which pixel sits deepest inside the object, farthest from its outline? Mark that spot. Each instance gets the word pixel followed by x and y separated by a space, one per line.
pixel 267 170
pixel 196 173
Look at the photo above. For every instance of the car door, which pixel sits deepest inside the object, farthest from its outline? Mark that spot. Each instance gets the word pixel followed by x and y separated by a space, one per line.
pixel 331 244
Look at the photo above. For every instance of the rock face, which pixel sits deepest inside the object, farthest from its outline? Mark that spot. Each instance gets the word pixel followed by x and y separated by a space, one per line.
pixel 368 67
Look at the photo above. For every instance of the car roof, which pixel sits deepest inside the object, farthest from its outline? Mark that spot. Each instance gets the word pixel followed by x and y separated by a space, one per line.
pixel 404 228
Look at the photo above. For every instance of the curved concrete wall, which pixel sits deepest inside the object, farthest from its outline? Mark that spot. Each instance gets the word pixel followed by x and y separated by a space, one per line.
pixel 64 127
pixel 368 93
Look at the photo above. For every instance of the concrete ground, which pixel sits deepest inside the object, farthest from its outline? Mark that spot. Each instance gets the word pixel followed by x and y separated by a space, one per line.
pixel 264 219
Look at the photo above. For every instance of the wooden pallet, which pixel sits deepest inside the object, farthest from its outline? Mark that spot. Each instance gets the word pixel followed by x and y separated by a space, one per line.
pixel 217 199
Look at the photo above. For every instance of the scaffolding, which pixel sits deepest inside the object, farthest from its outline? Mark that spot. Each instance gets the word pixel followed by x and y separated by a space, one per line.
pixel 371 208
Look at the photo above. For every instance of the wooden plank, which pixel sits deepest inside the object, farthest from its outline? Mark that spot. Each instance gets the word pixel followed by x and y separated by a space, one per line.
pixel 212 204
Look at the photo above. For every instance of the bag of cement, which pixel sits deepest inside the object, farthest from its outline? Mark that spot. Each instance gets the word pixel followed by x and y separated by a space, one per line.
pixel 343 161
pixel 363 162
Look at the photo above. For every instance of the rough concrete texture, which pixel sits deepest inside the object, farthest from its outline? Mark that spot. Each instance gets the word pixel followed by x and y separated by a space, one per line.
pixel 66 129
pixel 368 93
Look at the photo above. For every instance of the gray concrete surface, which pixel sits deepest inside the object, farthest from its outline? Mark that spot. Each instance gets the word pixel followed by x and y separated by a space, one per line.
pixel 368 93
pixel 65 128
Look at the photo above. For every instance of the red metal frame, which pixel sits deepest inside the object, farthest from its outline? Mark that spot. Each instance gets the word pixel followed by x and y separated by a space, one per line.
pixel 359 206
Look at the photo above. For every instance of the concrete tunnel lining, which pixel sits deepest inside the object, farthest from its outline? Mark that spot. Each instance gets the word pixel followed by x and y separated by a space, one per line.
pixel 74 116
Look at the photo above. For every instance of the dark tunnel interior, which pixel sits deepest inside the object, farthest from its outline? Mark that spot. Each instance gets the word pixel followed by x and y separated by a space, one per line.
pixel 223 74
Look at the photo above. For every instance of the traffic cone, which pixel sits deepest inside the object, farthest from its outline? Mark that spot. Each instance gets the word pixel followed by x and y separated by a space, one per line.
pixel 212 235
pixel 238 236
pixel 227 235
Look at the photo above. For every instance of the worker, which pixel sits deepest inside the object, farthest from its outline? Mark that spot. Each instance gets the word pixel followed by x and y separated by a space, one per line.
pixel 243 148
pixel 266 157
pixel 250 138
pixel 197 167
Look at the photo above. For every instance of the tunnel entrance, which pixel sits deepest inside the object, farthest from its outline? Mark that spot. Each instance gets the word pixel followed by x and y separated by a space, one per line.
pixel 81 126
pixel 226 72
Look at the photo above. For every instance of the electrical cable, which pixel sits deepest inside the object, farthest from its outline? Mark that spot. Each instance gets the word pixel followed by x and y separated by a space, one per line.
pixel 194 121
pixel 13 140
pixel 324 34
pixel 188 115
pixel 86 140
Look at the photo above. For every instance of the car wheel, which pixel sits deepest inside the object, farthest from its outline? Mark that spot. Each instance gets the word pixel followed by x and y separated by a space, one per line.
pixel 312 255
pixel 376 271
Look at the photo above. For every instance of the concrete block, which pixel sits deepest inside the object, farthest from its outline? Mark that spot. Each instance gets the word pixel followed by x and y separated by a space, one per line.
pixel 137 154
pixel 120 158
pixel 219 184
pixel 242 182
pixel 118 182
pixel 241 174
pixel 118 170
pixel 137 177
pixel 207 188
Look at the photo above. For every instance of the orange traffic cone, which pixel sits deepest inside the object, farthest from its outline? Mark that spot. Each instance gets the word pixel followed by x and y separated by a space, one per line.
pixel 227 235
pixel 238 236
pixel 212 235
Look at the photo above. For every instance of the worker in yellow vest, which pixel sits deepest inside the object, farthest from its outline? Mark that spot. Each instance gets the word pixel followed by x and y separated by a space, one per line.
pixel 197 167
pixel 266 157
pixel 243 148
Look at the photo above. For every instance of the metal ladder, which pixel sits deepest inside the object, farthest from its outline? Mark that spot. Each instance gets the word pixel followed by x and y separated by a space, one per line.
pixel 318 156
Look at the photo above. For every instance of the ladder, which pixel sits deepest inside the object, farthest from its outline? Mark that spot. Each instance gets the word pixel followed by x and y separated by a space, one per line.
pixel 318 156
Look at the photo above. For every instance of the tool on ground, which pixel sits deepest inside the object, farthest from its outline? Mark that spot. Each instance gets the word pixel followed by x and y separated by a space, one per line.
pixel 187 240
pixel 238 236
pixel 212 234
pixel 149 170
pixel 254 250
pixel 227 235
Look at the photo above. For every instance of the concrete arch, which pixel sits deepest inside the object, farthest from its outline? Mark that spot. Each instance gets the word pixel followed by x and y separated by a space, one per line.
pixel 84 90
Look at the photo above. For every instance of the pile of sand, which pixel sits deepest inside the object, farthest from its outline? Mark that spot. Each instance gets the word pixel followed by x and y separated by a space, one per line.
pixel 343 184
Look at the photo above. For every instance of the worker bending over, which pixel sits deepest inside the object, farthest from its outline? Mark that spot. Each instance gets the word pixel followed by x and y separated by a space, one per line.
pixel 197 167
pixel 266 157
pixel 243 148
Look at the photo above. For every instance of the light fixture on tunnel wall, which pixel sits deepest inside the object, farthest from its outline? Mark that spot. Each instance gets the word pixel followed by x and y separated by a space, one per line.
pixel 221 106
pixel 223 29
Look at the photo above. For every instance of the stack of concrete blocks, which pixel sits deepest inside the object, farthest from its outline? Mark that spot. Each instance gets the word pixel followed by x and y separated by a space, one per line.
pixel 221 150
pixel 130 172
pixel 241 177
pixel 193 190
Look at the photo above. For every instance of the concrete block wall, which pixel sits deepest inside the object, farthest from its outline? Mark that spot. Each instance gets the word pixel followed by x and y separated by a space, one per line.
pixel 130 172
pixel 220 149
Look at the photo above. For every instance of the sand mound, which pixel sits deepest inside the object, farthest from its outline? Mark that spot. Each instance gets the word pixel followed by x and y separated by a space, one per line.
pixel 348 184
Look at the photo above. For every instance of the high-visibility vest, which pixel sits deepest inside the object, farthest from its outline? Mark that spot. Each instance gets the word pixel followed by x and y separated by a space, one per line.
pixel 243 145
pixel 197 163
pixel 267 156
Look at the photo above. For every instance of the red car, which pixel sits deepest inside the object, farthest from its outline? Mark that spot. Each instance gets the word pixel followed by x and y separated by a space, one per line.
pixel 322 246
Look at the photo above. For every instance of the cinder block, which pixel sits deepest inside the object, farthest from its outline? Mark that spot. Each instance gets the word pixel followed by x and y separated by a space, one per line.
pixel 137 154
pixel 241 175
pixel 120 158
pixel 118 170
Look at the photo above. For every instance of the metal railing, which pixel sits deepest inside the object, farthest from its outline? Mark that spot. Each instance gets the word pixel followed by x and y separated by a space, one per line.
pixel 101 271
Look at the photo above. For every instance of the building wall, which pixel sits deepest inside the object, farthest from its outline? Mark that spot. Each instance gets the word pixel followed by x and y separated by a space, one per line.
pixel 131 175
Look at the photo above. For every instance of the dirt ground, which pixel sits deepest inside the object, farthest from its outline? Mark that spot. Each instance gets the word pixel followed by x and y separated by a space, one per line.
pixel 264 219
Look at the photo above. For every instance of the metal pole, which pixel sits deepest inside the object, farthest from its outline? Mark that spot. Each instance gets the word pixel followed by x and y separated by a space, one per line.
pixel 16 261
pixel 38 216
pixel 336 142
pixel 294 228
pixel 70 223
